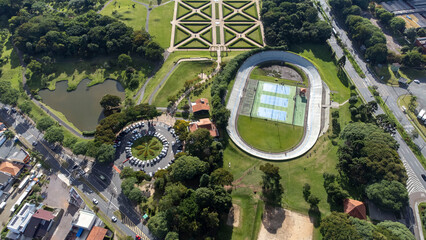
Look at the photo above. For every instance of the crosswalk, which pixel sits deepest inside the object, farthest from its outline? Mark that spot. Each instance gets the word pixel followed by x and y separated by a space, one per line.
pixel 413 183
pixel 126 221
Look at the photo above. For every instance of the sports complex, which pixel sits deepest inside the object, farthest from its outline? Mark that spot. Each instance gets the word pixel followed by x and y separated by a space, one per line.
pixel 272 119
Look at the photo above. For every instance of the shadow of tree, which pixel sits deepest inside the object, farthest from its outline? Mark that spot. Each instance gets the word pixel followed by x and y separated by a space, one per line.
pixel 273 218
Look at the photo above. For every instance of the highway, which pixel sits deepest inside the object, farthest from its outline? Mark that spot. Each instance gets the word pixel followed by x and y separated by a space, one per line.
pixel 415 184
pixel 313 123
pixel 109 189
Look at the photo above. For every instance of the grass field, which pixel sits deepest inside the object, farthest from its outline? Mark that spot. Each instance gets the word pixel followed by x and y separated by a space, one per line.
pixel 196 4
pixel 218 35
pixel 229 35
pixel 11 70
pixel 269 136
pixel 185 71
pixel 240 28
pixel 250 216
pixel 146 147
pixel 195 27
pixel 239 18
pixel 252 11
pixel 320 56
pixel 182 11
pixel 129 12
pixel 237 4
pixel 194 43
pixel 159 24
pixel 256 35
pixel 207 10
pixel 208 35
pixel 241 44
pixel 180 35
pixel 195 18
pixel 226 10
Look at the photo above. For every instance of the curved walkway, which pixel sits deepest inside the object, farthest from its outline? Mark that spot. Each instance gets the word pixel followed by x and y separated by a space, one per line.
pixel 313 123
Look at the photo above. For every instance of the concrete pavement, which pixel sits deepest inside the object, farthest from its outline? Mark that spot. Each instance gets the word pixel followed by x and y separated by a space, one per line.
pixel 313 123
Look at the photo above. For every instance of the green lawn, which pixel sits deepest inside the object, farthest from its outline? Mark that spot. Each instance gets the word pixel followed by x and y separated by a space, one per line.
pixel 11 70
pixel 194 44
pixel 260 74
pixel 252 11
pixel 185 71
pixel 218 35
pixel 251 210
pixel 217 10
pixel 256 35
pixel 195 27
pixel 320 56
pixel 208 35
pixel 180 35
pixel 129 12
pixel 204 92
pixel 196 17
pixel 240 28
pixel 146 147
pixel 207 10
pixel 241 44
pixel 159 24
pixel 226 10
pixel 182 11
pixel 269 136
pixel 229 35
pixel 237 4
pixel 239 18
pixel 196 4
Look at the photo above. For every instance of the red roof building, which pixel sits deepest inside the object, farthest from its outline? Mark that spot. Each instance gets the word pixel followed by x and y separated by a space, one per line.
pixel 97 233
pixel 43 215
pixel 204 123
pixel 201 105
pixel 355 208
pixel 10 168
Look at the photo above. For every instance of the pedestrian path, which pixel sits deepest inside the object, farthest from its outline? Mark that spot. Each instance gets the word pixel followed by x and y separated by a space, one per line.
pixel 413 183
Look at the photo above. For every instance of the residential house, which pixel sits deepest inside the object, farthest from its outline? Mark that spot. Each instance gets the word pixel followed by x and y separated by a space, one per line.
pixel 201 106
pixel 40 224
pixel 206 124
pixel 19 222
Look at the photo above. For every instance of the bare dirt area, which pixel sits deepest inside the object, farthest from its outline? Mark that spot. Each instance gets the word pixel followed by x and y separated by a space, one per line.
pixel 282 224
pixel 282 72
pixel 234 216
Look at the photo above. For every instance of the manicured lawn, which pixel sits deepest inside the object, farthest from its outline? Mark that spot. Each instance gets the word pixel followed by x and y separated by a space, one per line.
pixel 218 35
pixel 252 11
pixel 239 18
pixel 240 28
pixel 182 11
pixel 241 44
pixel 159 24
pixel 208 35
pixel 207 10
pixel 269 136
pixel 251 210
pixel 204 92
pixel 217 10
pixel 320 56
pixel 11 70
pixel 167 65
pixel 195 18
pixel 194 27
pixel 180 35
pixel 229 35
pixel 256 35
pixel 226 11
pixel 194 43
pixel 196 4
pixel 184 72
pixel 146 148
pixel 237 4
pixel 129 12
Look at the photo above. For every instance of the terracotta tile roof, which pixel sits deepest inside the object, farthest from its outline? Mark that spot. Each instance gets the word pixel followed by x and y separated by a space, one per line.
pixel 355 208
pixel 11 168
pixel 201 104
pixel 204 123
pixel 43 214
pixel 97 233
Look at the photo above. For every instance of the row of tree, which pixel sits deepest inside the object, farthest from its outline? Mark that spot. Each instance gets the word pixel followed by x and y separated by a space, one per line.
pixel 288 22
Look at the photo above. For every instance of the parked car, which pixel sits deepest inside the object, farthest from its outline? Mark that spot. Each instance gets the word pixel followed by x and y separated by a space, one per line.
pixel 424 177
pixel 416 81
pixel 113 219
pixel 95 201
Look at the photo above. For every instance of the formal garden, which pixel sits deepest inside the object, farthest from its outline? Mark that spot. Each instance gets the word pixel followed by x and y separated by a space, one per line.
pixel 146 147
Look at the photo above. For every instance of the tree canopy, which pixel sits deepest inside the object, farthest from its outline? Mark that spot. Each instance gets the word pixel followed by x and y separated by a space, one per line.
pixel 338 226
pixel 271 186
pixel 388 194
pixel 45 123
pixel 110 101
pixel 105 153
pixel 54 134
pixel 187 167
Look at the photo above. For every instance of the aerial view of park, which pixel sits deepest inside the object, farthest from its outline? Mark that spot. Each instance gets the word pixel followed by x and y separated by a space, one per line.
pixel 213 119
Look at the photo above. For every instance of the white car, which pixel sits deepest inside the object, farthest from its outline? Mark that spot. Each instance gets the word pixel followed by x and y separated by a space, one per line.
pixel 95 201
pixel 113 219
pixel 416 81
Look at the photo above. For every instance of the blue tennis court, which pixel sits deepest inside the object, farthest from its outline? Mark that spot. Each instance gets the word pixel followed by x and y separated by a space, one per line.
pixel 276 88
pixel 274 101
pixel 272 114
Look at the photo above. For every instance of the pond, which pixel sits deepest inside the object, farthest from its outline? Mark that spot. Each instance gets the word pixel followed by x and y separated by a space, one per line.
pixel 81 106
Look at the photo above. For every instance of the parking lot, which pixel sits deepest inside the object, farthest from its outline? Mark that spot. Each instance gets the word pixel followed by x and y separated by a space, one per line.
pixel 165 133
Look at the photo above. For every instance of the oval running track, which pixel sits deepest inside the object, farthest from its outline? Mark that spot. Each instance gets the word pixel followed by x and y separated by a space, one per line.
pixel 313 123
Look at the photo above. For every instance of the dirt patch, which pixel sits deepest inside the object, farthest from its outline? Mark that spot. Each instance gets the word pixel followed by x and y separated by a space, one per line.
pixel 282 72
pixel 281 224
pixel 234 216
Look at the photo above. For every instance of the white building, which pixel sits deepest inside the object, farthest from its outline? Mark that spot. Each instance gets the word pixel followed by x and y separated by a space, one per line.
pixel 19 222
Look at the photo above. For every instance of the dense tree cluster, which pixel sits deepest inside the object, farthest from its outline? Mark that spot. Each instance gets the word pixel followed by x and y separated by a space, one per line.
pixel 341 226
pixel 8 95
pixel 108 127
pixel 128 185
pixel 288 22
pixel 271 187
pixel 193 199
pixel 389 194
pixel 88 34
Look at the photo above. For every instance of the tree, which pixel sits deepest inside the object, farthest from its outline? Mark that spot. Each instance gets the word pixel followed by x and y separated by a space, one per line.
pixel 54 134
pixel 45 123
pixel 411 34
pixel 313 201
pixel 172 236
pixel 109 102
pixel 338 226
pixel 397 24
pixel 9 134
pixel 10 96
pixel 127 185
pixel 412 59
pixel 377 53
pixel 187 167
pixel 158 225
pixel 271 186
pixel 124 60
pixel 398 230
pixel 342 61
pixel 95 209
pixel 220 116
pixel 306 191
pixel 35 67
pixel 126 172
pixel 385 17
pixel 204 180
pixel 181 128
pixel 221 177
pixel 80 148
pixel 388 194
pixel 25 107
pixel 105 153
pixel 135 195
pixel 198 143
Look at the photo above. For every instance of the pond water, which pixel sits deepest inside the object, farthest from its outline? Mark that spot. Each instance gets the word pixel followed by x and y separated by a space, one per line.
pixel 81 106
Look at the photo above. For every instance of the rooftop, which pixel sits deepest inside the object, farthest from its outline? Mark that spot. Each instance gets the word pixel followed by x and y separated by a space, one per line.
pixel 11 152
pixel 43 215
pixel 206 124
pixel 355 208
pixel 85 219
pixel 201 104
pixel 19 222
pixel 4 178
pixel 10 168
pixel 97 233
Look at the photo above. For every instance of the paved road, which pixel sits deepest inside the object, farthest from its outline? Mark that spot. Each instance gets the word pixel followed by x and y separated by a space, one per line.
pixel 313 123
pixel 110 189
pixel 415 184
